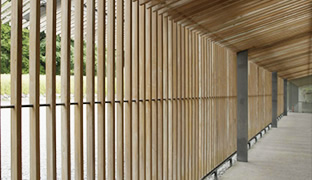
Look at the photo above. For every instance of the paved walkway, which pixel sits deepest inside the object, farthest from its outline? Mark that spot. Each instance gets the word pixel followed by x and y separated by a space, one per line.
pixel 283 153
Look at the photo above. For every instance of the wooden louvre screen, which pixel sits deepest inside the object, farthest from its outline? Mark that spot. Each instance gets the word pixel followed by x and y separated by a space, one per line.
pixel 165 104
pixel 259 99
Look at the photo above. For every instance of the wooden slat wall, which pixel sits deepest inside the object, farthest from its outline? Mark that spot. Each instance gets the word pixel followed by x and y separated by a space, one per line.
pixel 259 99
pixel 170 96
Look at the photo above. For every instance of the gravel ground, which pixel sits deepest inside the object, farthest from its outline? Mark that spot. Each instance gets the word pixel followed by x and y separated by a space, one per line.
pixel 6 136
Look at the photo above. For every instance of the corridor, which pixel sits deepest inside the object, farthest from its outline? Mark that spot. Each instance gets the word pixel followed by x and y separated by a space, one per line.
pixel 283 153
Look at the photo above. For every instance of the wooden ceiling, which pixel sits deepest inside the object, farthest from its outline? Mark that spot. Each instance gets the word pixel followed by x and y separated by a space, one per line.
pixel 277 33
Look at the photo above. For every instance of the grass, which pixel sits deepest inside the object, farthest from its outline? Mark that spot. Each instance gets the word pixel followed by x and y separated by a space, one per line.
pixel 6 84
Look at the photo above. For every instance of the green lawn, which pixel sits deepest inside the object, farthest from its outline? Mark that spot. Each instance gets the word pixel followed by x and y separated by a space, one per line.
pixel 6 86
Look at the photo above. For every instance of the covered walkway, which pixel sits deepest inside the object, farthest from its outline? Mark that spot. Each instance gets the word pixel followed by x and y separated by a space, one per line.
pixel 284 153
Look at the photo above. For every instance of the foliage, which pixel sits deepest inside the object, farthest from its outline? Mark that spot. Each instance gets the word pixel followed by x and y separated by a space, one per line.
pixel 6 46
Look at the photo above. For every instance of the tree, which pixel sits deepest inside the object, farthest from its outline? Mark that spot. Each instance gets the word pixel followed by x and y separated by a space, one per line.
pixel 6 46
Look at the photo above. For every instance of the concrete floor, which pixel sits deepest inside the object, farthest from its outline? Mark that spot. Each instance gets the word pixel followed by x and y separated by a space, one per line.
pixel 283 153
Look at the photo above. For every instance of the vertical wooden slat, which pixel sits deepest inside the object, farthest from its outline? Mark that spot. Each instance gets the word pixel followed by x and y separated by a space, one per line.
pixel 206 76
pixel 51 88
pixel 65 90
pixel 202 105
pixel 206 79
pixel 165 96
pixel 196 149
pixel 170 113
pixel 119 89
pixel 101 30
pixel 210 105
pixel 191 80
pixel 142 105
pixel 160 97
pixel 111 91
pixel 34 94
pixel 0 92
pixel 154 63
pixel 148 91
pixel 78 70
pixel 135 91
pixel 198 167
pixel 90 62
pixel 193 109
pixel 183 102
pixel 128 91
pixel 204 95
pixel 174 99
pixel 178 101
pixel 16 71
pixel 187 162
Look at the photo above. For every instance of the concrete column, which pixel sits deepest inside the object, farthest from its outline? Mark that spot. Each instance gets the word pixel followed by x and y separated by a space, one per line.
pixel 242 106
pixel 274 99
pixel 285 97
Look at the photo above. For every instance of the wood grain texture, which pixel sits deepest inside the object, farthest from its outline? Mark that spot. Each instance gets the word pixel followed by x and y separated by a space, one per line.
pixel 16 92
pixel 65 90
pixel 135 91
pixel 128 91
pixel 143 80
pixel 165 96
pixel 78 70
pixel 120 88
pixel 160 93
pixel 51 89
pixel 34 94
pixel 101 74
pixel 90 72
pixel 154 87
pixel 110 126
